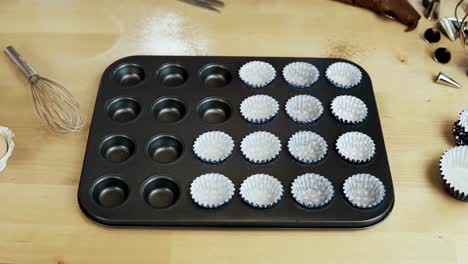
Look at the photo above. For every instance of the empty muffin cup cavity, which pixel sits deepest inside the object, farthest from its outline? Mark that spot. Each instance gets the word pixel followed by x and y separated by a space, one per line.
pixel 160 192
pixel 110 192
pixel 215 76
pixel 123 110
pixel 169 110
pixel 164 149
pixel 117 148
pixel 129 75
pixel 172 75
pixel 214 110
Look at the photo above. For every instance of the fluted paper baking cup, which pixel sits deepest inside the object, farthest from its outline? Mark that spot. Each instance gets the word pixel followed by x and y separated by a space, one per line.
pixel 307 147
pixel 213 147
pixel 344 75
pixel 312 190
pixel 304 108
pixel 349 109
pixel 261 190
pixel 259 108
pixel 460 128
pixel 260 147
pixel 355 147
pixel 364 190
pixel 454 172
pixel 212 190
pixel 301 74
pixel 8 134
pixel 257 74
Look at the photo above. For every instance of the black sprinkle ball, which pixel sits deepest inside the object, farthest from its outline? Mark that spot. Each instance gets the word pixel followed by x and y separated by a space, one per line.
pixel 461 136
pixel 460 129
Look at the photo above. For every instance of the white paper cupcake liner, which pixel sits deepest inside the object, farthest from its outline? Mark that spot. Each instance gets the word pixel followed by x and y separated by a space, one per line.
pixel 307 147
pixel 312 190
pixel 349 109
pixel 301 74
pixel 364 190
pixel 454 172
pixel 260 147
pixel 460 128
pixel 355 147
pixel 304 109
pixel 257 74
pixel 212 190
pixel 8 134
pixel 213 147
pixel 261 190
pixel 259 108
pixel 344 75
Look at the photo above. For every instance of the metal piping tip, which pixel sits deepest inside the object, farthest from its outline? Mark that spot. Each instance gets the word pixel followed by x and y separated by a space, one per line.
pixel 449 27
pixel 433 10
pixel 443 79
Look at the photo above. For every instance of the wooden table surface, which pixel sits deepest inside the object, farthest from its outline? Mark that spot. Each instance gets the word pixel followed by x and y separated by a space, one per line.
pixel 73 42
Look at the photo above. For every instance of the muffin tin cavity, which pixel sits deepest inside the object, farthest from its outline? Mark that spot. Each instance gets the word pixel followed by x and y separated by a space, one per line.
pixel 160 192
pixel 164 149
pixel 172 75
pixel 110 192
pixel 117 148
pixel 215 76
pixel 123 109
pixel 214 110
pixel 129 75
pixel 236 142
pixel 169 110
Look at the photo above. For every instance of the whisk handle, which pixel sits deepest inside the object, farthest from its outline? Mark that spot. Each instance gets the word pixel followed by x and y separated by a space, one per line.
pixel 20 62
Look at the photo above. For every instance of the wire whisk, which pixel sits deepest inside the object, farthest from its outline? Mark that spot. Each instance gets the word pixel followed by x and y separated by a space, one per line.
pixel 54 104
pixel 212 5
pixel 462 26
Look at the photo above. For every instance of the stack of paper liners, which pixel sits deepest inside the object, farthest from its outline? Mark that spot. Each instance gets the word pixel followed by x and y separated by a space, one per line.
pixel 454 172
pixel 6 146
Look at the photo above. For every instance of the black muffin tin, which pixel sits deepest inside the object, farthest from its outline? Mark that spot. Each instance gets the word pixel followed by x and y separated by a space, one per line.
pixel 139 161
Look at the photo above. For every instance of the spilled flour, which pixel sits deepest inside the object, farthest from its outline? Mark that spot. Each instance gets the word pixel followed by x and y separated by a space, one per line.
pixel 171 34
pixel 161 32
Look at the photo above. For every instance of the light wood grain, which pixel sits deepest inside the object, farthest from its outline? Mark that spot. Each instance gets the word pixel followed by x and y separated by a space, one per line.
pixel 73 41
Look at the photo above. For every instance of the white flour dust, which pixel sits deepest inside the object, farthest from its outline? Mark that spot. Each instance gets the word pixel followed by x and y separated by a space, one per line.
pixel 146 32
pixel 171 34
